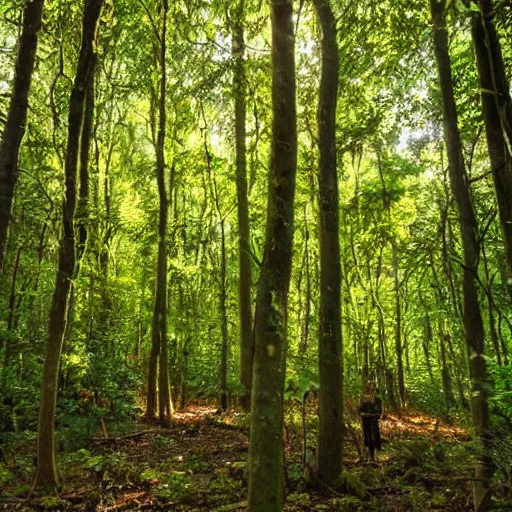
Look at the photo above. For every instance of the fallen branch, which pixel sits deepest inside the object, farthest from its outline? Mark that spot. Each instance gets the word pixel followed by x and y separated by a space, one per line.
pixel 127 505
pixel 12 500
pixel 133 435
pixel 234 506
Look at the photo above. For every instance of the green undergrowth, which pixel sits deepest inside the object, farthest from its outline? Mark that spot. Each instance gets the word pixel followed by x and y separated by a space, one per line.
pixel 201 464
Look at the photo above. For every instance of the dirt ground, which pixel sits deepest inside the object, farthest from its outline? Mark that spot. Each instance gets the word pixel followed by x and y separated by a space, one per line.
pixel 199 463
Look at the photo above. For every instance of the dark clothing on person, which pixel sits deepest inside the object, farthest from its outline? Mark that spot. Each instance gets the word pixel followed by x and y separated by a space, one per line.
pixel 370 411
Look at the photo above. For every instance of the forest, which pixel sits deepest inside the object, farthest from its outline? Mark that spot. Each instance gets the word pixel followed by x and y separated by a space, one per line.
pixel 245 243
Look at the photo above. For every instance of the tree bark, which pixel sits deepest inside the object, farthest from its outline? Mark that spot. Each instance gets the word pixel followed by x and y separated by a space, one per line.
pixel 490 309
pixel 473 323
pixel 245 279
pixel 46 473
pixel 17 117
pixel 158 366
pixel 164 393
pixel 266 448
pixel 497 113
pixel 224 319
pixel 330 397
pixel 85 148
pixel 304 335
pixel 151 396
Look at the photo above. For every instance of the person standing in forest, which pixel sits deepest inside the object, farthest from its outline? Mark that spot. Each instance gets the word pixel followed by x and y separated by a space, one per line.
pixel 370 411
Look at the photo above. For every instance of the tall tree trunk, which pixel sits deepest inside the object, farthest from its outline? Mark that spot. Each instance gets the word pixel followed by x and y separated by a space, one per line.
pixel 501 86
pixel 245 279
pixel 81 214
pixel 266 447
pixel 223 311
pixel 490 309
pixel 151 395
pixel 164 391
pixel 224 319
pixel 330 398
pixel 85 148
pixel 46 473
pixel 304 304
pixel 398 310
pixel 398 327
pixel 304 335
pixel 445 372
pixel 468 226
pixel 497 113
pixel 17 117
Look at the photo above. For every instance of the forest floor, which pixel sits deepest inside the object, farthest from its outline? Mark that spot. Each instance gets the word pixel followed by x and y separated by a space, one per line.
pixel 199 463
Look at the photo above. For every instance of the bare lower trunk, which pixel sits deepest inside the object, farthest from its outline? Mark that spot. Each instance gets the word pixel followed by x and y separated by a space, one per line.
pixel 245 279
pixel 164 393
pixel 266 447
pixel 17 117
pixel 224 323
pixel 307 301
pixel 151 396
pixel 330 398
pixel 46 473
pixel 398 330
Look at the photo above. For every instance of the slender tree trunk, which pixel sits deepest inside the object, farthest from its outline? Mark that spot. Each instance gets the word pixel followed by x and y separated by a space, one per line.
pixel 46 473
pixel 382 342
pixel 445 372
pixel 245 279
pixel 33 320
pixel 459 367
pixel 81 214
pixel 447 247
pixel 85 148
pixel 151 397
pixel 224 321
pixel 427 341
pixel 304 335
pixel 184 377
pixel 330 397
pixel 468 226
pixel 398 310
pixel 490 309
pixel 398 328
pixel 17 117
pixel 10 316
pixel 266 447
pixel 164 392
pixel 497 113
pixel 223 311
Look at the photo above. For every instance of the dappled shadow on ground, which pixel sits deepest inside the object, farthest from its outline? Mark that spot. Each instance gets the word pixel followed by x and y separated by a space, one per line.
pixel 199 463
pixel 418 424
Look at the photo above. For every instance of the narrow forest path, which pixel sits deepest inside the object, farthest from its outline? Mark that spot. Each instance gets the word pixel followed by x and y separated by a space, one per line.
pixel 199 464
